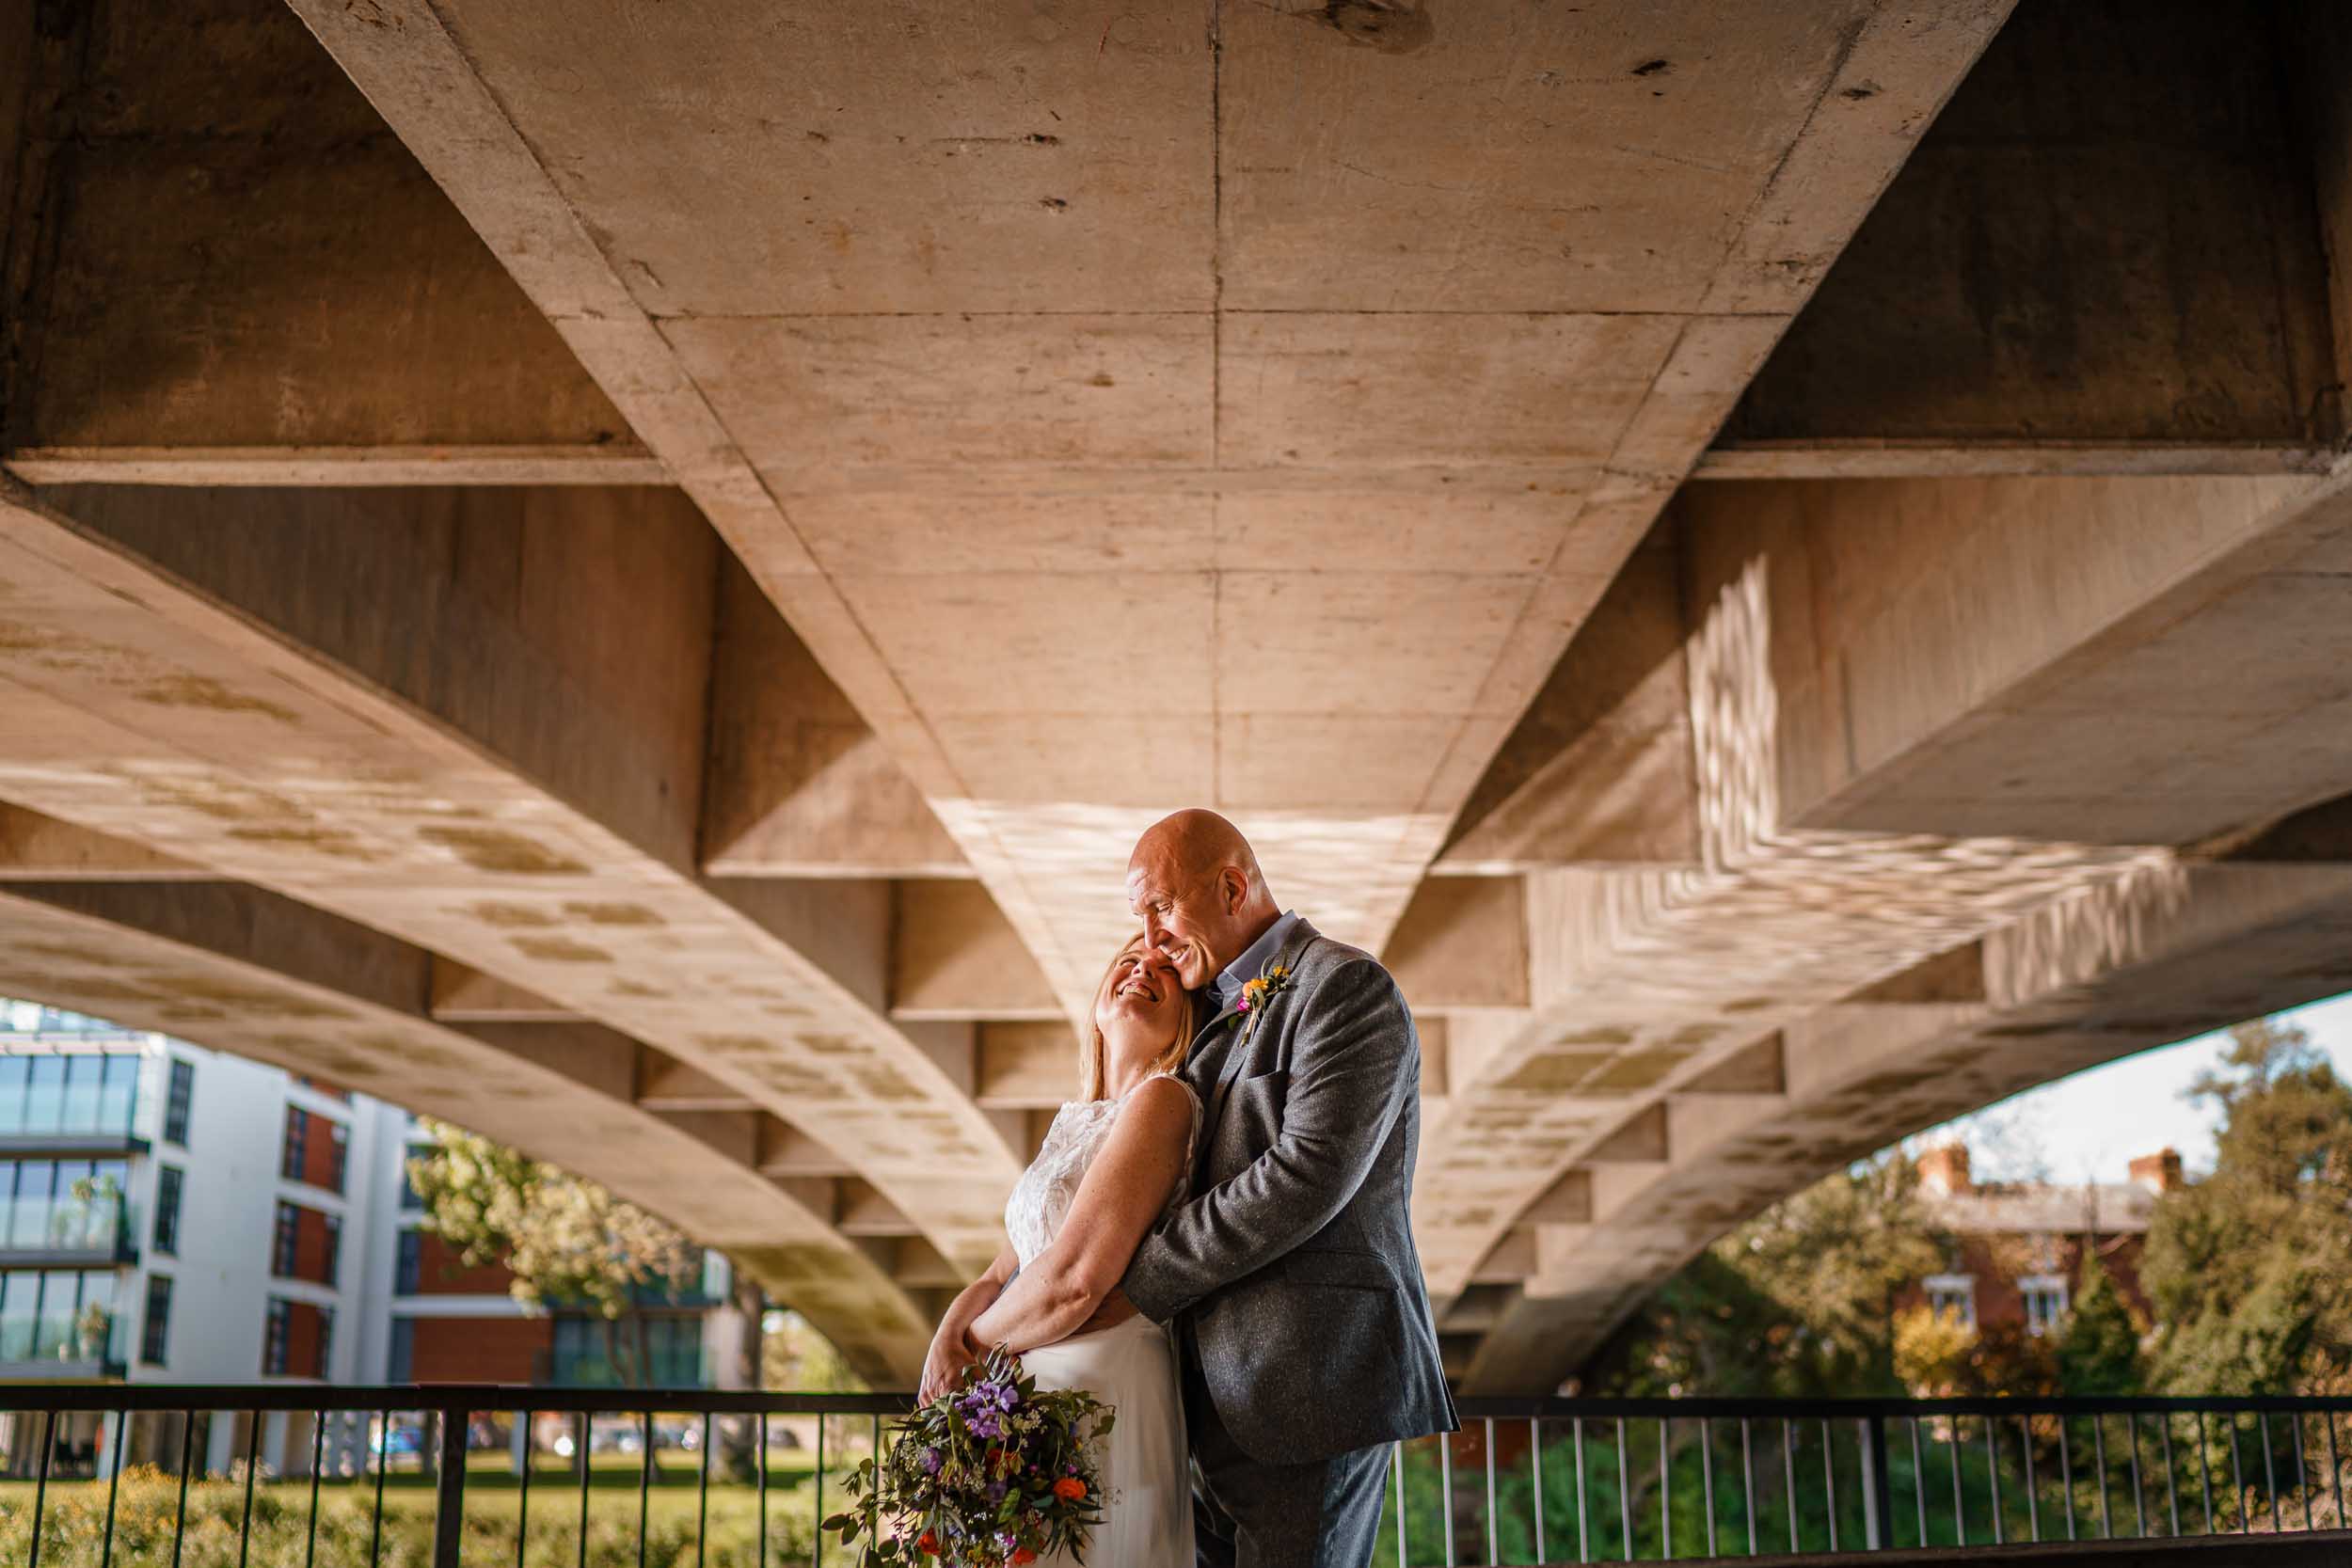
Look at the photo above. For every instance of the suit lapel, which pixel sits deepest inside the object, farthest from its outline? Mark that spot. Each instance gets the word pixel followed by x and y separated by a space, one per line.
pixel 1285 957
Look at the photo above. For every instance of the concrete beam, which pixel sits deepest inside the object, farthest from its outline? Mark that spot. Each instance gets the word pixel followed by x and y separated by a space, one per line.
pixel 2131 660
pixel 953 954
pixel 405 708
pixel 1025 1067
pixel 243 970
pixel 2053 284
pixel 38 848
pixel 464 995
pixel 353 329
pixel 1073 366
pixel 799 785
pixel 665 1084
pixel 2163 956
pixel 1462 942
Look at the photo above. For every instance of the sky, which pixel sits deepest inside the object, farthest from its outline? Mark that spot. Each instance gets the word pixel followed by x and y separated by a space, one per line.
pixel 2090 1126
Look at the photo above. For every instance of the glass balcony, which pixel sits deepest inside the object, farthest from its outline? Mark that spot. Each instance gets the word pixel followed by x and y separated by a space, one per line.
pixel 65 1210
pixel 53 1097
pixel 58 1321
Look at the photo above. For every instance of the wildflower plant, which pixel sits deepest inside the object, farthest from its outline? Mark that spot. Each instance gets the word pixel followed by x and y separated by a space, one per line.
pixel 994 1473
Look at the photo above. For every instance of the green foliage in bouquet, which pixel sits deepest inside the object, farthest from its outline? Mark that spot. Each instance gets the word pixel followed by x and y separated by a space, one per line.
pixel 991 1474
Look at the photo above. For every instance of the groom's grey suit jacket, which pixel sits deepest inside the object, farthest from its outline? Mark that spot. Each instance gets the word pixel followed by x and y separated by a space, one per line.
pixel 1291 1275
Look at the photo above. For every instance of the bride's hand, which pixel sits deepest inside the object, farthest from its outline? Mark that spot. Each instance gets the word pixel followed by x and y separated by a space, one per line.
pixel 949 1355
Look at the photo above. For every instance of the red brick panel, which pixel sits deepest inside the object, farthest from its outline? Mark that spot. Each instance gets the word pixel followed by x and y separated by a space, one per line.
pixel 441 1273
pixel 477 1349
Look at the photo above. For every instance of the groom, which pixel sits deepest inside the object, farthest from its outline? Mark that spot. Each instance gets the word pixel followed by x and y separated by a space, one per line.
pixel 1301 1319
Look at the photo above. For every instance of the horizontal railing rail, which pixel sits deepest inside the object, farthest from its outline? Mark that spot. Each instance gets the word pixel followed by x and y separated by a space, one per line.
pixel 1527 1479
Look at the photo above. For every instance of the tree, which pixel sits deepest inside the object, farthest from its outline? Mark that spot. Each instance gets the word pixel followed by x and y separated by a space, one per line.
pixel 564 1240
pixel 2098 1350
pixel 796 1357
pixel 2246 1267
pixel 1799 1300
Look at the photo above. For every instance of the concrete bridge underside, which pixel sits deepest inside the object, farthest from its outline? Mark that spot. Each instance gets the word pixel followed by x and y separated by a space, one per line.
pixel 1790 572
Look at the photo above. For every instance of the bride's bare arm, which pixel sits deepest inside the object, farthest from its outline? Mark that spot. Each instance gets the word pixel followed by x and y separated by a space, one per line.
pixel 1123 1193
pixel 951 1345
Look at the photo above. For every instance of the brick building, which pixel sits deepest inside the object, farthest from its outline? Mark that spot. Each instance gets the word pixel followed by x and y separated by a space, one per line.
pixel 2018 1247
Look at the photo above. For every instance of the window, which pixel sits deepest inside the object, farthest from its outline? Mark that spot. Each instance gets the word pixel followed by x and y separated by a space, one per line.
pixel 57 1315
pixel 155 1334
pixel 403 1358
pixel 276 1330
pixel 338 1154
pixel 410 1267
pixel 298 1149
pixel 331 1262
pixel 327 1340
pixel 284 1240
pixel 167 1183
pixel 1954 1296
pixel 412 1201
pixel 2045 1299
pixel 178 1102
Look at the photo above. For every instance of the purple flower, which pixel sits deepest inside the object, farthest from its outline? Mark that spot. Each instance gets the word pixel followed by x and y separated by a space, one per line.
pixel 932 1461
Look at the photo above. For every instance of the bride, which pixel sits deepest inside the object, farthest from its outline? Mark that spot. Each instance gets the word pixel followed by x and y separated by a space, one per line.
pixel 1115 1160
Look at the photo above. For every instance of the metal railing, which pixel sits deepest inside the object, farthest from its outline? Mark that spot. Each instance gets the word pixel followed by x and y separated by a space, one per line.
pixel 299 1476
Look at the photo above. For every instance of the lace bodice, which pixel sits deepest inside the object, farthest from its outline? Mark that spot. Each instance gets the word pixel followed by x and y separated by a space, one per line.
pixel 1040 1200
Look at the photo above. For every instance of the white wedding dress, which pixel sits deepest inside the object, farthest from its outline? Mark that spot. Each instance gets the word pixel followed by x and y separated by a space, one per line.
pixel 1147 1514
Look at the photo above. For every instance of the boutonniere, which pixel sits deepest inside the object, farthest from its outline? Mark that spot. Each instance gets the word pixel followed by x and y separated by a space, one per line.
pixel 1256 994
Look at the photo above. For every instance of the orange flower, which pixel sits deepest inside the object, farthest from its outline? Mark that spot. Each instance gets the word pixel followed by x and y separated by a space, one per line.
pixel 1069 1489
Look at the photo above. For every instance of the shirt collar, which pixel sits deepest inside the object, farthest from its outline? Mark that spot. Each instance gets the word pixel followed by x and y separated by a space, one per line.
pixel 1260 952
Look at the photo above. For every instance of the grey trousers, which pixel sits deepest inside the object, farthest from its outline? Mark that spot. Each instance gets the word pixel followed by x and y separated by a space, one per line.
pixel 1247 1514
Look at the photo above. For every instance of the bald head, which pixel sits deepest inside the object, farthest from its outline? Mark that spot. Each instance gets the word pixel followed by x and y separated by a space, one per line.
pixel 1194 883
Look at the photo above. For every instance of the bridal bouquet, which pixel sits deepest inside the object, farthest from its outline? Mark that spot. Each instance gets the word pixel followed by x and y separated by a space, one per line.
pixel 991 1474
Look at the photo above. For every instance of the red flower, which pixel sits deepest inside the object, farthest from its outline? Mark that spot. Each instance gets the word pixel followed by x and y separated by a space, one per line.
pixel 1069 1489
pixel 1022 1555
pixel 927 1544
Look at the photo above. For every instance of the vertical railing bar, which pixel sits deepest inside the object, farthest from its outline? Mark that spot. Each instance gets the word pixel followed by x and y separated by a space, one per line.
pixel 1625 1495
pixel 1876 1498
pixel 114 1483
pixel 1993 1474
pixel 2140 1503
pixel 579 1444
pixel 702 1497
pixel 2237 1480
pixel 41 1487
pixel 449 1514
pixel 1707 1477
pixel 1535 1459
pixel 2271 1474
pixel 1960 1506
pixel 2204 1470
pixel 2335 1469
pixel 2172 1479
pixel 1829 1479
pixel 645 1482
pixel 1666 1492
pixel 383 1462
pixel 180 1524
pixel 1789 1467
pixel 1445 1490
pixel 763 1491
pixel 1747 1479
pixel 2099 1457
pixel 2066 1475
pixel 1583 1541
pixel 2033 1491
pixel 817 1553
pixel 1494 1523
pixel 1397 1471
pixel 2302 1474
pixel 252 1459
pixel 522 1504
pixel 1919 1482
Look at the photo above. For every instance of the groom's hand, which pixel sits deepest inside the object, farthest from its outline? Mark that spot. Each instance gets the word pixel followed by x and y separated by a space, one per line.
pixel 1115 1308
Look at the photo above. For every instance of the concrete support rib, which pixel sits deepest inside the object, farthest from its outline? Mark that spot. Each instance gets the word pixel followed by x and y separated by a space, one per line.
pixel 242 969
pixel 1819 680
pixel 410 709
pixel 933 313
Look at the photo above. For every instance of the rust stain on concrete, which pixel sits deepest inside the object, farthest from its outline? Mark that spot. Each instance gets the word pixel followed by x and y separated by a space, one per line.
pixel 509 916
pixel 615 915
pixel 561 950
pixel 202 691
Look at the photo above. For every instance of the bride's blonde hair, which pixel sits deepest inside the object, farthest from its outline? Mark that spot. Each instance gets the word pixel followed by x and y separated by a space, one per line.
pixel 1091 1048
